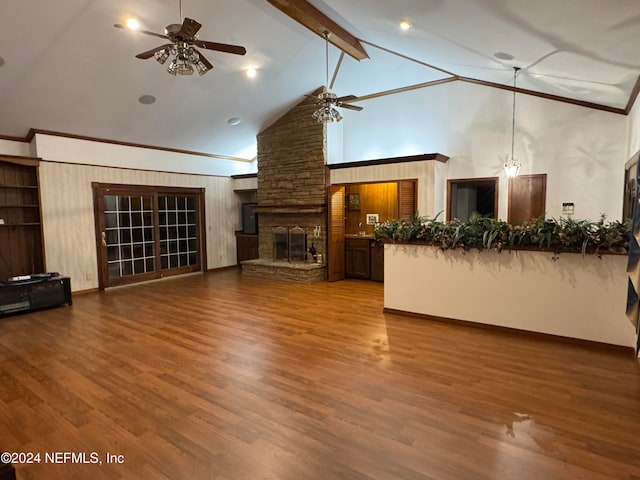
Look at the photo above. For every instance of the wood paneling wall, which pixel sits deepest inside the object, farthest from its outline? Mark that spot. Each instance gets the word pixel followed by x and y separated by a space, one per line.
pixel 68 224
pixel 380 198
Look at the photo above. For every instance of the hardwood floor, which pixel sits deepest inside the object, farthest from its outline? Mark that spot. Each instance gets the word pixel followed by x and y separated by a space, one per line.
pixel 220 376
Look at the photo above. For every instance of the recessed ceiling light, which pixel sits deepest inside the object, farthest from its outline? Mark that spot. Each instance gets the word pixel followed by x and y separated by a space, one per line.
pixel 233 121
pixel 405 25
pixel 147 99
pixel 503 56
pixel 251 72
pixel 132 23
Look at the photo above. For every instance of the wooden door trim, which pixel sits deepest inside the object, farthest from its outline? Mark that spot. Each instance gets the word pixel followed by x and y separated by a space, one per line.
pixel 496 181
pixel 101 189
pixel 98 219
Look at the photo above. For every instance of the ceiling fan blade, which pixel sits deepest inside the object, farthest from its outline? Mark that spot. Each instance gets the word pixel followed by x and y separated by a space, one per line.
pixel 350 107
pixel 150 53
pixel 159 35
pixel 146 32
pixel 189 28
pixel 221 47
pixel 346 98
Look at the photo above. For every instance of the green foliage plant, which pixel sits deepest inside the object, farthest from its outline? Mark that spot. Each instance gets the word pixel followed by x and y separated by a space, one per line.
pixel 481 232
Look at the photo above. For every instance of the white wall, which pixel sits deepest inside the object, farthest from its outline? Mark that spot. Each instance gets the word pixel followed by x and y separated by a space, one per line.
pixel 581 150
pixel 68 218
pixel 19 149
pixel 72 150
pixel 573 296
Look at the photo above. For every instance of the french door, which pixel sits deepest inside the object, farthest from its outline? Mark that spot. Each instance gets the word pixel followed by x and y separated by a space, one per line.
pixel 145 232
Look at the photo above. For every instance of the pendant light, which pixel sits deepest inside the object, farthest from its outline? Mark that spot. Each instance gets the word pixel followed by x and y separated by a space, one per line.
pixel 512 167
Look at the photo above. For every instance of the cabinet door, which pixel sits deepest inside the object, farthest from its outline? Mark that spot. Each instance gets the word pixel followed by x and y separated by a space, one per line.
pixel 357 258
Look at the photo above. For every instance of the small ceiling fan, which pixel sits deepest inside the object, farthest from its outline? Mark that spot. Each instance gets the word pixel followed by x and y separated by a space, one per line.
pixel 184 40
pixel 327 100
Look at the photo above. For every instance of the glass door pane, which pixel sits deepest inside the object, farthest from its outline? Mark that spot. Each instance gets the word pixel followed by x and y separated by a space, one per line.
pixel 178 231
pixel 129 235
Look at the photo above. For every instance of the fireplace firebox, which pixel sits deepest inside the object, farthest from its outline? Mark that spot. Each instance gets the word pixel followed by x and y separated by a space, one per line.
pixel 289 244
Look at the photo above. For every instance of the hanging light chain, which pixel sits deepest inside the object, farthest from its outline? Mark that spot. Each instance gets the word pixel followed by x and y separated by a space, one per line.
pixel 513 118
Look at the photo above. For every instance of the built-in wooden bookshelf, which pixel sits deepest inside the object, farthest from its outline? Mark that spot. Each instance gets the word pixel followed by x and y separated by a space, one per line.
pixel 20 220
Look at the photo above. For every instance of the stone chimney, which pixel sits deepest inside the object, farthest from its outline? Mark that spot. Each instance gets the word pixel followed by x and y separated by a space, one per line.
pixel 292 191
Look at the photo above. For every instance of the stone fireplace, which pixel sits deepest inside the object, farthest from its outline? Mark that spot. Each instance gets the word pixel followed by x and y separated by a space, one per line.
pixel 292 198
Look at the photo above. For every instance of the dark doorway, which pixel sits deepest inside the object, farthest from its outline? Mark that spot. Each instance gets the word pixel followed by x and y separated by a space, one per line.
pixel 468 195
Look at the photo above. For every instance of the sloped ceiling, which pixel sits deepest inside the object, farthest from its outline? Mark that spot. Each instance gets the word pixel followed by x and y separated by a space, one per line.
pixel 66 69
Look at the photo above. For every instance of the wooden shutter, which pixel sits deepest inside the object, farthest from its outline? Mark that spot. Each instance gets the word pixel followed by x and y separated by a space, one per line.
pixel 406 198
pixel 335 261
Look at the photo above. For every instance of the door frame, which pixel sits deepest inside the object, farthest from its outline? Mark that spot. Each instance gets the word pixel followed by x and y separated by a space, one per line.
pixel 450 182
pixel 101 189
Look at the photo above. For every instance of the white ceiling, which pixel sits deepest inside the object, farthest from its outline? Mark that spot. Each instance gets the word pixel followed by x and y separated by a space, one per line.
pixel 68 70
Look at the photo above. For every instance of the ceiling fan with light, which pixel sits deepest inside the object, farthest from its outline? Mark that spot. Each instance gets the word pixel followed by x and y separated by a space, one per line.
pixel 327 100
pixel 184 40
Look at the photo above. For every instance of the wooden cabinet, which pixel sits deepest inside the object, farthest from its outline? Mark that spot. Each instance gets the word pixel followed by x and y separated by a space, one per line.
pixel 20 229
pixel 364 258
pixel 357 258
pixel 39 291
pixel 246 247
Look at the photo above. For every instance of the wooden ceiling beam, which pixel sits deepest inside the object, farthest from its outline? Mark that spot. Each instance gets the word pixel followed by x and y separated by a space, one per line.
pixel 309 16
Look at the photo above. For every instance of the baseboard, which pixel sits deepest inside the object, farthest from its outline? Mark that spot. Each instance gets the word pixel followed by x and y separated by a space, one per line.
pixel 84 292
pixel 222 269
pixel 515 331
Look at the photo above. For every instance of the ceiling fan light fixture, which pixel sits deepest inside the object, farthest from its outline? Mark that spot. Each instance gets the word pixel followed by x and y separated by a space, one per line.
pixel 183 37
pixel 327 100
pixel 325 113
pixel 162 55
pixel 201 68
pixel 180 66
pixel 194 58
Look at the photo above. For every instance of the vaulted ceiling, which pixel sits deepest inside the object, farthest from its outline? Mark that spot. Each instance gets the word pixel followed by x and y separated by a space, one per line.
pixel 64 67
